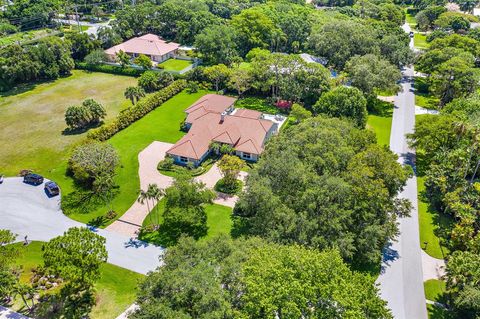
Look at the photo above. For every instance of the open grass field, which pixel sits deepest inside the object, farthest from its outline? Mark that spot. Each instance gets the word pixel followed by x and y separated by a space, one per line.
pixel 380 121
pixel 116 289
pixel 162 124
pixel 25 36
pixel 32 117
pixel 219 221
pixel 175 64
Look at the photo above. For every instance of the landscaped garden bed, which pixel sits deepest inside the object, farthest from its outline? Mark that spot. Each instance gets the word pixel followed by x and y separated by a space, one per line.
pixel 222 187
pixel 168 168
pixel 115 290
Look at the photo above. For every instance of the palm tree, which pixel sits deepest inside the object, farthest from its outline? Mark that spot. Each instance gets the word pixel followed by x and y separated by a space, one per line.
pixel 143 197
pixel 155 193
pixel 134 93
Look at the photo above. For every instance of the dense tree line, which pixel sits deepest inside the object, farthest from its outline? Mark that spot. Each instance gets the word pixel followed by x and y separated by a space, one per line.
pixel 324 184
pixel 448 145
pixel 46 60
pixel 224 278
pixel 450 62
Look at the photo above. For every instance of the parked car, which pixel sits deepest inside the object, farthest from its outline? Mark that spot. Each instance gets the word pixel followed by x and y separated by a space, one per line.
pixel 52 188
pixel 33 179
pixel 1 179
pixel 411 34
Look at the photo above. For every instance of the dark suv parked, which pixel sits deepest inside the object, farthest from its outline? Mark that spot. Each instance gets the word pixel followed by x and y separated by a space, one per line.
pixel 33 179
pixel 52 189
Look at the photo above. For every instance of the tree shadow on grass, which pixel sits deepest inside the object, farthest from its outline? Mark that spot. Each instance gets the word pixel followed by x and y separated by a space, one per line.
pixel 443 224
pixel 379 108
pixel 77 131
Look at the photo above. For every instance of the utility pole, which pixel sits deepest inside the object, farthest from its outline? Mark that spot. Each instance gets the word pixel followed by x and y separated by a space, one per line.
pixel 78 20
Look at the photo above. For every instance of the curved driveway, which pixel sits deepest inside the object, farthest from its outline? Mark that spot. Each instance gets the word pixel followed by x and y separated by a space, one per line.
pixel 27 211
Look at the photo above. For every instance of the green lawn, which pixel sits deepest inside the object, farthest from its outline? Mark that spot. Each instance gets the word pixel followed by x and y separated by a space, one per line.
pixel 431 224
pixel 175 64
pixel 420 41
pixel 410 19
pixel 162 124
pixel 116 289
pixel 25 36
pixel 434 289
pixel 33 116
pixel 257 104
pixel 380 121
pixel 219 221
pixel 423 97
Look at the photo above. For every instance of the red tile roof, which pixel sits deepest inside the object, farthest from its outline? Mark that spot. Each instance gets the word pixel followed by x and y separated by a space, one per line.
pixel 246 131
pixel 149 44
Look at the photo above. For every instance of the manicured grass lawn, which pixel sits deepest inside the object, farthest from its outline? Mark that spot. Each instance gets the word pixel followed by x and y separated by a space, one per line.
pixel 32 120
pixel 116 289
pixel 380 121
pixel 162 124
pixel 431 222
pixel 434 289
pixel 219 221
pixel 410 19
pixel 423 97
pixel 426 101
pixel 175 64
pixel 420 41
pixel 257 104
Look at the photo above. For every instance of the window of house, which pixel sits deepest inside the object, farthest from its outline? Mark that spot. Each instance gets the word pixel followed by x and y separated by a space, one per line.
pixel 183 159
pixel 246 155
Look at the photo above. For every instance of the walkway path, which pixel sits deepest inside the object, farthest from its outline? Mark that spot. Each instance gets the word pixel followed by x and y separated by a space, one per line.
pixel 27 211
pixel 130 223
pixel 433 268
pixel 6 313
pixel 401 279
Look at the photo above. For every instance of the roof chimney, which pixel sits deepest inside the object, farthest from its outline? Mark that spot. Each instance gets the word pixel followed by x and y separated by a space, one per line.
pixel 222 116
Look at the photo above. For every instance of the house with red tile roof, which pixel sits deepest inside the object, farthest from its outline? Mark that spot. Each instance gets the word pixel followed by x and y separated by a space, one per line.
pixel 213 118
pixel 151 45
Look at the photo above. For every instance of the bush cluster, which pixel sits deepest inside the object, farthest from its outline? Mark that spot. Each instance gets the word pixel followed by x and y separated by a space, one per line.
pixel 107 68
pixel 136 112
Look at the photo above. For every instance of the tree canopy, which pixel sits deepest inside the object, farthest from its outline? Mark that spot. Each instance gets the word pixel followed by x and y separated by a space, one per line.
pixel 224 278
pixel 323 184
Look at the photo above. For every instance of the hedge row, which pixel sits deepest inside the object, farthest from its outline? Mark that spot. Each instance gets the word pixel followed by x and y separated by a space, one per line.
pixel 136 112
pixel 107 68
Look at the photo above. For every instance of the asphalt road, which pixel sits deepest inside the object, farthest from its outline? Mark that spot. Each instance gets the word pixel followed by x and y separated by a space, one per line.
pixel 27 211
pixel 401 280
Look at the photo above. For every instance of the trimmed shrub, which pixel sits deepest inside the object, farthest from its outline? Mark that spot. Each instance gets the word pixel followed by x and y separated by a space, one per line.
pixel 107 68
pixel 136 112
